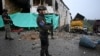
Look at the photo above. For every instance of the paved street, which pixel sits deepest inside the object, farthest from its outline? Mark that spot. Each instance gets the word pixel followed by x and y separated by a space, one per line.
pixel 64 44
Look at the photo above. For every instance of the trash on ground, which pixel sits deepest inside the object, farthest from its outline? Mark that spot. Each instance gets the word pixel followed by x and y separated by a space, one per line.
pixel 86 42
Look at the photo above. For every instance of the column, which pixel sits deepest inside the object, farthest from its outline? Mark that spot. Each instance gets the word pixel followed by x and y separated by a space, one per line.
pixel 53 4
pixel 31 2
pixel 3 4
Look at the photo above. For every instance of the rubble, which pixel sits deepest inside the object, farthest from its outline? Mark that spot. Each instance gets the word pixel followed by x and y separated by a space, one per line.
pixel 29 35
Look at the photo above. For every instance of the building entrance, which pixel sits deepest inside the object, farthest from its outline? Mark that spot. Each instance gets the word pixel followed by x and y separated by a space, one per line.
pixel 0 7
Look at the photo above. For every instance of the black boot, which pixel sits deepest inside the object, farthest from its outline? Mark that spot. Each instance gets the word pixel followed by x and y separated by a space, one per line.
pixel 47 53
pixel 6 38
pixel 11 39
pixel 42 53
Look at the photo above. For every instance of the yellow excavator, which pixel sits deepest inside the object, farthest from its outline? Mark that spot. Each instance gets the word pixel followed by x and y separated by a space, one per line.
pixel 77 24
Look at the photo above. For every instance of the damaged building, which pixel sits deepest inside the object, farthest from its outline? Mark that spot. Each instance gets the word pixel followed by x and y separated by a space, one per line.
pixel 53 6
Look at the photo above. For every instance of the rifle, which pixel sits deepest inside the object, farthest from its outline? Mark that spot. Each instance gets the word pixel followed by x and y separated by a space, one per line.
pixel 52 29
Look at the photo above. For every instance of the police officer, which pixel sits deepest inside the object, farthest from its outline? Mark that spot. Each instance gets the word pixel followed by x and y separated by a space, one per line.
pixel 7 20
pixel 43 29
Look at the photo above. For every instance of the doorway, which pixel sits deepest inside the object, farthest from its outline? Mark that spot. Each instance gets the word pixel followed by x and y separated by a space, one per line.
pixel 1 7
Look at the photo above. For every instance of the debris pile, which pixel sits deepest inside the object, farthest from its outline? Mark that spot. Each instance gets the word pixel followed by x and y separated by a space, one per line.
pixel 30 35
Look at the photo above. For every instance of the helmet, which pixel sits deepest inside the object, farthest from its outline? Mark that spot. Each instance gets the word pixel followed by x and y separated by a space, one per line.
pixel 41 8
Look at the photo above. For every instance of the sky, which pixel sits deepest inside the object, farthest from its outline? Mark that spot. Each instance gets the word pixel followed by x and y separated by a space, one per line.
pixel 88 8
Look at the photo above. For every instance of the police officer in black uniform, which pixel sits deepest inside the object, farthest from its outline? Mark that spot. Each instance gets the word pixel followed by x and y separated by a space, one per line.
pixel 43 29
pixel 7 20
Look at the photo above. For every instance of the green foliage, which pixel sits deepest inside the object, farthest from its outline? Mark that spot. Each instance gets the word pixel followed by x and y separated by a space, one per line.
pixel 89 24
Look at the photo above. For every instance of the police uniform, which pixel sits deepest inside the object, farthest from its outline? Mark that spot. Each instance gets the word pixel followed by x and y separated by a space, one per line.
pixel 7 24
pixel 43 29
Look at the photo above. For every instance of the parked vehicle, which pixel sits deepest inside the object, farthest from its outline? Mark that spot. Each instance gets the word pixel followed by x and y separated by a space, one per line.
pixel 96 26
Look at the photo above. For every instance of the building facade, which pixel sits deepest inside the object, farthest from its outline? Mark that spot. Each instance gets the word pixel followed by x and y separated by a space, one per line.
pixel 53 6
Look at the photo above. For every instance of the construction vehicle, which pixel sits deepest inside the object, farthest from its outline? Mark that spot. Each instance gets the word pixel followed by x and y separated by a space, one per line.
pixel 77 24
